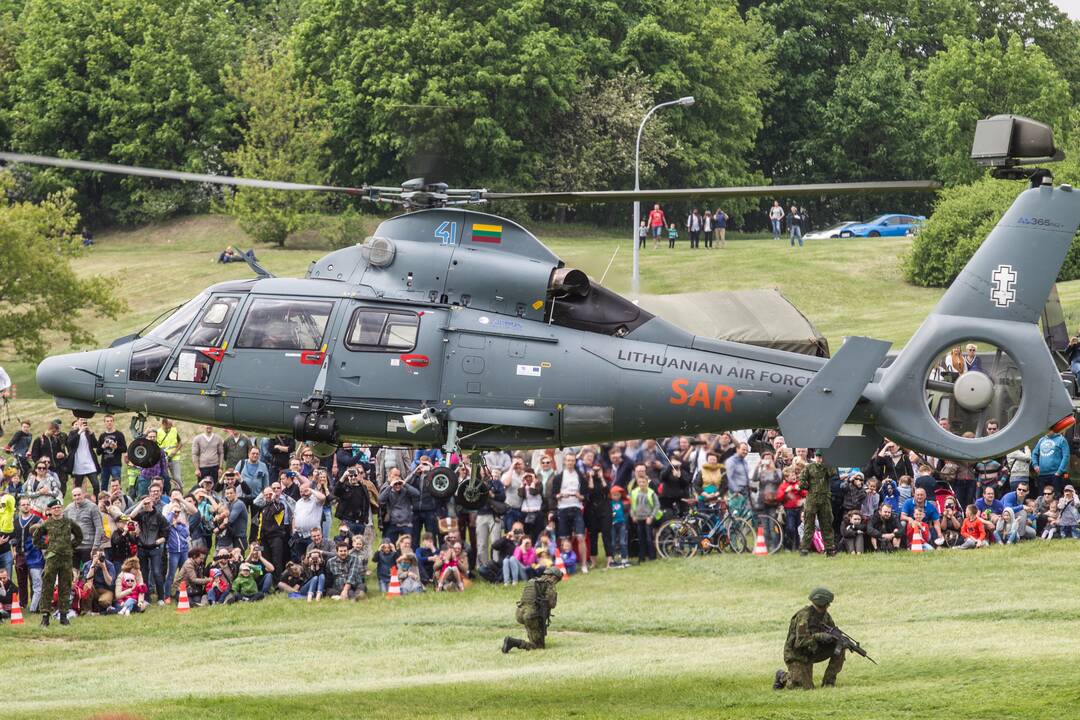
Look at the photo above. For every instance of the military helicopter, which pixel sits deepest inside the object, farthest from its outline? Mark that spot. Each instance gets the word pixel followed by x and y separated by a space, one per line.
pixel 458 328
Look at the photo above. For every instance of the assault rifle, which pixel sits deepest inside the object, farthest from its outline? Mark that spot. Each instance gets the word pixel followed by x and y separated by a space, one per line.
pixel 846 642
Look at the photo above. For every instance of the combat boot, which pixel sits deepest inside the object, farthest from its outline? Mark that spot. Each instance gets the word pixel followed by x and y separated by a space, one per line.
pixel 64 619
pixel 45 620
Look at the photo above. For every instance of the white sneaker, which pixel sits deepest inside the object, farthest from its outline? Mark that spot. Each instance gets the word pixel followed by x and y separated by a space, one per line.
pixel 161 602
pixel 584 569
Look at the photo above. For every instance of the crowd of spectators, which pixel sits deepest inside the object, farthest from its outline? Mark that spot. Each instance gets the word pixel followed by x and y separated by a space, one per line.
pixel 266 515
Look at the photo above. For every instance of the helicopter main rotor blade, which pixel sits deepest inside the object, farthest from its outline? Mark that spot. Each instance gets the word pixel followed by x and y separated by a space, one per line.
pixel 176 175
pixel 605 196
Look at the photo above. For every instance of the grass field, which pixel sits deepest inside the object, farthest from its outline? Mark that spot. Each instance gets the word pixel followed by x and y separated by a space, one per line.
pixel 984 634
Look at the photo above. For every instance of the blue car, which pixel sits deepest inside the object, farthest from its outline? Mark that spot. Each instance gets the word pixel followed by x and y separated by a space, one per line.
pixel 884 226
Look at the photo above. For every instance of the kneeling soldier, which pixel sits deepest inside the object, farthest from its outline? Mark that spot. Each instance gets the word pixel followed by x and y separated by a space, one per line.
pixel 809 641
pixel 534 610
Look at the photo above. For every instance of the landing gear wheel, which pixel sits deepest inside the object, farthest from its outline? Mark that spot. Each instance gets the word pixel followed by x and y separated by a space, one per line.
pixel 143 453
pixel 441 483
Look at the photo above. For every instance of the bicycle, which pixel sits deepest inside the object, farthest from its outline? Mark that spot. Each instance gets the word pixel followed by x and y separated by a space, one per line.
pixel 702 531
pixel 772 528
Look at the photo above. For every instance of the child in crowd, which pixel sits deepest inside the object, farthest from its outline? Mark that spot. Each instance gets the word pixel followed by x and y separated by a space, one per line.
pixel 245 587
pixel 1068 514
pixel 385 559
pixel 409 574
pixel 1051 519
pixel 618 529
pixel 425 557
pixel 218 589
pixel 452 569
pixel 672 236
pixel 543 560
pixel 905 488
pixel 642 233
pixel 569 557
pixel 918 523
pixel 130 588
pixel 546 542
pixel 972 530
pixel 854 532
pixel 792 499
pixel 360 550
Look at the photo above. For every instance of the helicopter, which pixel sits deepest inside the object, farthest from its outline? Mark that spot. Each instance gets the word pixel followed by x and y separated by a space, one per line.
pixel 457 328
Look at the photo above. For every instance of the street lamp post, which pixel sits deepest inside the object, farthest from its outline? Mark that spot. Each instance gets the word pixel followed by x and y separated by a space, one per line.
pixel 635 279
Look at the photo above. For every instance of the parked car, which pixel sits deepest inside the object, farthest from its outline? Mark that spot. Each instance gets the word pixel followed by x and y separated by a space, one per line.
pixel 832 232
pixel 884 226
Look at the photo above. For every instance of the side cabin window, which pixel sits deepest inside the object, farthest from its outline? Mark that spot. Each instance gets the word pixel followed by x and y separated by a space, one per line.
pixel 373 330
pixel 284 324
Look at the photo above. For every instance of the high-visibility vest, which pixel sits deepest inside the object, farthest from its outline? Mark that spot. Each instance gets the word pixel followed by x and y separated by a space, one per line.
pixel 168 441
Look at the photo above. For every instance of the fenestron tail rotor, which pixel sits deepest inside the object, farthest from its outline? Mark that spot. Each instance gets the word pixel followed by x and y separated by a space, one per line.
pixel 425 193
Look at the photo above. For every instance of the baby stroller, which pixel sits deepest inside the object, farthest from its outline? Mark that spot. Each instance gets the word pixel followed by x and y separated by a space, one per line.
pixel 943 493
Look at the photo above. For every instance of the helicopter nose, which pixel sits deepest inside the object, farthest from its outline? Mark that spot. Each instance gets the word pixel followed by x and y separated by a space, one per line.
pixel 73 376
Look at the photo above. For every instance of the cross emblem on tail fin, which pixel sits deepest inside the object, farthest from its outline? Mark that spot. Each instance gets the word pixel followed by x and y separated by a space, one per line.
pixel 1004 291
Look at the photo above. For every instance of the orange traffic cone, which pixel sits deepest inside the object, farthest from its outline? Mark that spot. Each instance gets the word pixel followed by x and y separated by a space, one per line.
pixel 759 544
pixel 182 605
pixel 561 565
pixel 16 611
pixel 394 590
pixel 917 540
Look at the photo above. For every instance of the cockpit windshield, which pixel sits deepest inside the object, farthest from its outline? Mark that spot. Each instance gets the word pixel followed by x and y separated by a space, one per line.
pixel 170 329
pixel 596 309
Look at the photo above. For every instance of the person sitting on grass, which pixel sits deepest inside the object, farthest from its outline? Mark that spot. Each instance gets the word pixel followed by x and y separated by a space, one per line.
pixel 972 531
pixel 1024 523
pixel 193 572
pixel 918 525
pixel 1068 515
pixel 292 579
pixel 990 511
pixel 346 577
pixel 130 589
pixel 452 568
pixel 884 529
pixel 313 574
pixel 951 522
pixel 262 570
pixel 854 532
pixel 245 587
pixel 569 557
pixel 409 574
pixel 1049 520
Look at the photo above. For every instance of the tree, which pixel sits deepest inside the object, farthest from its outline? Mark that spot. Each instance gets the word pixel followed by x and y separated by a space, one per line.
pixel 40 294
pixel 974 79
pixel 869 129
pixel 1035 22
pixel 284 138
pixel 127 81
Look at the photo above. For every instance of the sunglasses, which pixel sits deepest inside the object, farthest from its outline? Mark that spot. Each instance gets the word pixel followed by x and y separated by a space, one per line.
pixel 1048 493
pixel 41 467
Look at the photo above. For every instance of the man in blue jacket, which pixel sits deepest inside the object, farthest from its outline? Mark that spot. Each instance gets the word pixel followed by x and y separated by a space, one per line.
pixel 1050 461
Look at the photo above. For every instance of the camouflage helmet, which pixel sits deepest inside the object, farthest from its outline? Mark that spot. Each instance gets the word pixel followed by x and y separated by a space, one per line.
pixel 553 571
pixel 821 596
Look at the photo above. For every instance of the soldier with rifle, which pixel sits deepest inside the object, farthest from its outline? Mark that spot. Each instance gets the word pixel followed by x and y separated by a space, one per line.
pixel 534 610
pixel 813 637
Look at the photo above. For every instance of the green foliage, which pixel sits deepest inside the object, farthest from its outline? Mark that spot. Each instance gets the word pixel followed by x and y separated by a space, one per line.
pixel 128 81
pixel 1035 22
pixel 974 79
pixel 40 294
pixel 963 216
pixel 284 138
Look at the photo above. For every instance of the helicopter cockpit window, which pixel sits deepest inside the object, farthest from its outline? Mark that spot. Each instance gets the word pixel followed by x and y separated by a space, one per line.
pixel 375 330
pixel 210 330
pixel 284 324
pixel 147 361
pixel 174 326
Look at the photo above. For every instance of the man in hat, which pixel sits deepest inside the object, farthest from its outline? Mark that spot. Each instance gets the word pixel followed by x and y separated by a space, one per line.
pixel 534 610
pixel 57 537
pixel 809 641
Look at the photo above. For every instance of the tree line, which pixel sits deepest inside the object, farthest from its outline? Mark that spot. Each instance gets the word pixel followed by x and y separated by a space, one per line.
pixel 518 94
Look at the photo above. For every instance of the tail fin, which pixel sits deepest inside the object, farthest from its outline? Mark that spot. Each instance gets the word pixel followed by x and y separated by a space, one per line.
pixel 1010 276
pixel 998 299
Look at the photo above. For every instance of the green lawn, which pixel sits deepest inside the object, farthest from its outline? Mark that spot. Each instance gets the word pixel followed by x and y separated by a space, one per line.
pixel 984 634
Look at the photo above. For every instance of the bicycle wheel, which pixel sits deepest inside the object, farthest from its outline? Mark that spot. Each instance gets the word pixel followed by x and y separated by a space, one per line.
pixel 741 534
pixel 675 539
pixel 772 530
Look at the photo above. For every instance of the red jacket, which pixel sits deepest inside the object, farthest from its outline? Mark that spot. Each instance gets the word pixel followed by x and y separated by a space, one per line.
pixel 923 528
pixel 973 529
pixel 790 494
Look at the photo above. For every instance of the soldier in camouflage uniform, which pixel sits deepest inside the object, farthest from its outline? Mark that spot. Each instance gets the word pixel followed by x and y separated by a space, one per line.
pixel 57 537
pixel 815 481
pixel 808 643
pixel 534 610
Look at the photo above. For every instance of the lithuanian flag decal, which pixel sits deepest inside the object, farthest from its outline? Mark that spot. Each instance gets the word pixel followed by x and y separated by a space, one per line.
pixel 487 233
